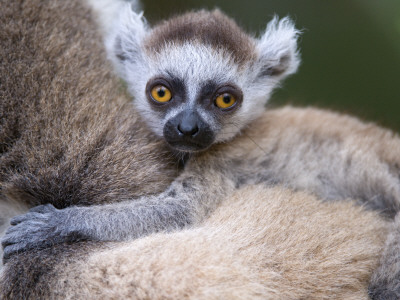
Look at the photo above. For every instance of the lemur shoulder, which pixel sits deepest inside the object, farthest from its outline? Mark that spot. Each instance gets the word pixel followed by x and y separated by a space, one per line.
pixel 201 83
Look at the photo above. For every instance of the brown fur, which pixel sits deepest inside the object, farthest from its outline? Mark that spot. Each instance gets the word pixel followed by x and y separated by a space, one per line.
pixel 68 133
pixel 68 136
pixel 210 28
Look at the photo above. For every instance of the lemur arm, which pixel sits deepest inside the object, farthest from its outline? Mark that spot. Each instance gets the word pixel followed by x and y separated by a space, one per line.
pixel 185 202
pixel 332 163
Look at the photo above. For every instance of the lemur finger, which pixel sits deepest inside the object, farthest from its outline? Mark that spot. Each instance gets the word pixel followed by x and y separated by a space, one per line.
pixel 8 240
pixel 14 237
pixel 25 217
pixel 13 250
pixel 26 229
pixel 43 208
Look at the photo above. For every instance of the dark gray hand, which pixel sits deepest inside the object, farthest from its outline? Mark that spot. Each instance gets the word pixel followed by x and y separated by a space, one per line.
pixel 41 227
pixel 185 202
pixel 44 226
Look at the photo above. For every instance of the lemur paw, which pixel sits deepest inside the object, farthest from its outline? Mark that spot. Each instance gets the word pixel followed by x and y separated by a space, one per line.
pixel 38 228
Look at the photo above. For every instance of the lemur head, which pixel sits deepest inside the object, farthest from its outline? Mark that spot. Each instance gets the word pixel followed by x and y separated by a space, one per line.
pixel 198 79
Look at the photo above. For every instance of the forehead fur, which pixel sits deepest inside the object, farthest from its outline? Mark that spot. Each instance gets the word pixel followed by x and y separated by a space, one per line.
pixel 209 28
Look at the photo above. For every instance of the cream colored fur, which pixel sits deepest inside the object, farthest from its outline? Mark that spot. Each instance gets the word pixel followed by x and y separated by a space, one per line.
pixel 262 243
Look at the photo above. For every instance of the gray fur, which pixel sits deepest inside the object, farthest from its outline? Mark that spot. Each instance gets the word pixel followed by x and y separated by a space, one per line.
pixel 182 204
pixel 385 282
pixel 198 48
pixel 186 202
pixel 8 209
pixel 303 160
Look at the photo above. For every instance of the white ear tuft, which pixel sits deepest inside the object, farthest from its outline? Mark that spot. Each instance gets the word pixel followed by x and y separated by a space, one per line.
pixel 106 11
pixel 278 54
pixel 124 40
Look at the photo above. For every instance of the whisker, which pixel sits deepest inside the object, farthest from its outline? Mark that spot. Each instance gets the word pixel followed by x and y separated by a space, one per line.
pixel 265 152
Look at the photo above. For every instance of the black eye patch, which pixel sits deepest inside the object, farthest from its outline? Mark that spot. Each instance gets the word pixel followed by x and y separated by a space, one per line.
pixel 208 89
pixel 177 84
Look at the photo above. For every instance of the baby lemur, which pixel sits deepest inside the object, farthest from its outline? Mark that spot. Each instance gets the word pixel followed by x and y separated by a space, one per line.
pixel 201 83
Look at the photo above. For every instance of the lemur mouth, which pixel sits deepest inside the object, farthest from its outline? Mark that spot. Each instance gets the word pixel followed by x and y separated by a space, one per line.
pixel 188 146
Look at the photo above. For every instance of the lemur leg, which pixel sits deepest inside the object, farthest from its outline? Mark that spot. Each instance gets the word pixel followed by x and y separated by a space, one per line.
pixel 190 198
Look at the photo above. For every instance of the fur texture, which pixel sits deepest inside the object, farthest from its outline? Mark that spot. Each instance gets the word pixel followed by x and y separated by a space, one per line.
pixel 68 134
pixel 385 283
pixel 199 49
pixel 261 243
pixel 68 137
pixel 8 209
pixel 208 28
pixel 207 47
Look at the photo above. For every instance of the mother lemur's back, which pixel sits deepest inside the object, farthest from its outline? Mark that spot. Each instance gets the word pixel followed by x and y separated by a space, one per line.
pixel 68 134
pixel 64 114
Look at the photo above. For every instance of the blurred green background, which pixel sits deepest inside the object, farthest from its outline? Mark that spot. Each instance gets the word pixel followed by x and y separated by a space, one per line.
pixel 350 50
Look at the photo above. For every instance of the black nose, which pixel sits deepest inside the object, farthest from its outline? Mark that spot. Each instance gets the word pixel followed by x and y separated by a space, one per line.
pixel 188 125
pixel 188 130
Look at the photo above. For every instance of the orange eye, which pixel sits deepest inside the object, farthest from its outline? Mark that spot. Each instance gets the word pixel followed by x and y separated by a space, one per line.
pixel 225 100
pixel 161 94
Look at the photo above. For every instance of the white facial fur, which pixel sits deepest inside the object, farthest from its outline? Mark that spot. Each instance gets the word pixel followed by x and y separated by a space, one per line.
pixel 195 63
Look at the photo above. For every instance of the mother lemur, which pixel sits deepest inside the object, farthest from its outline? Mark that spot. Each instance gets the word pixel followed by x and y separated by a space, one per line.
pixel 73 139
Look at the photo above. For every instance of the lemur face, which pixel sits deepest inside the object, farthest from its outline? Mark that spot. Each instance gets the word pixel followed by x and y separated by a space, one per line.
pixel 198 79
pixel 194 101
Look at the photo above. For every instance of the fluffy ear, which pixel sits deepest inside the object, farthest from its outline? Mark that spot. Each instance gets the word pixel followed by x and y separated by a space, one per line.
pixel 124 40
pixel 277 48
